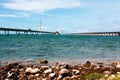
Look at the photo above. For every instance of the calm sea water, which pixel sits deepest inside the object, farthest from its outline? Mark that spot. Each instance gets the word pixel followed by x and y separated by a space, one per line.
pixel 60 48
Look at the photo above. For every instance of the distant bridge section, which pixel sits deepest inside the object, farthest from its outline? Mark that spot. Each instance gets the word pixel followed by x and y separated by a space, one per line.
pixel 100 33
pixel 18 31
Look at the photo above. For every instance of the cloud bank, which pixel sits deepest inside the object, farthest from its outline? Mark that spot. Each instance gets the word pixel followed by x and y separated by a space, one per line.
pixel 40 5
pixel 8 15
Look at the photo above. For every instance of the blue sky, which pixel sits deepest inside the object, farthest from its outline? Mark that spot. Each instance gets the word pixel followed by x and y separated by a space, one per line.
pixel 68 16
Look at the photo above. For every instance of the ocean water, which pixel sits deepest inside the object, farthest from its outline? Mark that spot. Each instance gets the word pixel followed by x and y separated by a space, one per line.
pixel 59 48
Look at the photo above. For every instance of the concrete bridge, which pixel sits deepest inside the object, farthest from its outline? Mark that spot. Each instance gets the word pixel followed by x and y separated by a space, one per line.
pixel 19 31
pixel 100 33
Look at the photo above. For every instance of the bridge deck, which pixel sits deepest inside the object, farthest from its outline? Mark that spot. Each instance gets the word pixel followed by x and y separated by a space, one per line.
pixel 22 30
pixel 100 33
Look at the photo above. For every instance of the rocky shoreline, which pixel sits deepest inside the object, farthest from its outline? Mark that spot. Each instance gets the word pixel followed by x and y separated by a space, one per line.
pixel 60 71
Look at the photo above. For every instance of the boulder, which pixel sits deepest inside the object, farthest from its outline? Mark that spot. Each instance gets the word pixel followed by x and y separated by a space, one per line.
pixel 64 72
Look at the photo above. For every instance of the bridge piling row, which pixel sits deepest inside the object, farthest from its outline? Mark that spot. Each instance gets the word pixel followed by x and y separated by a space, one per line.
pixel 22 31
pixel 101 33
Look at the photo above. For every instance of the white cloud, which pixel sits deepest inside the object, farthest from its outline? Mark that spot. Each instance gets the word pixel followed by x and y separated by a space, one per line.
pixel 8 15
pixel 15 15
pixel 23 14
pixel 40 5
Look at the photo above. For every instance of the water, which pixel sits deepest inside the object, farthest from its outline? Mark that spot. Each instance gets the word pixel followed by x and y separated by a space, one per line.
pixel 59 48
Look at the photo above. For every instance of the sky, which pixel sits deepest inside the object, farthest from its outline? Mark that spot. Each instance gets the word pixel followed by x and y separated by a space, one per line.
pixel 65 16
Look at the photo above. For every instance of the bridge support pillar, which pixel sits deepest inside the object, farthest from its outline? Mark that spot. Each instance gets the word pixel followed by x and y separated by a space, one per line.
pixel 6 32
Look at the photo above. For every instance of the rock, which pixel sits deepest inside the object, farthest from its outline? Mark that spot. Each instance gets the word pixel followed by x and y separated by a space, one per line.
pixel 112 76
pixel 30 70
pixel 64 72
pixel 9 74
pixel 51 75
pixel 106 72
pixel 118 66
pixel 43 61
pixel 63 65
pixel 59 77
pixel 74 77
pixel 87 64
pixel 48 71
pixel 75 72
pixel 45 67
pixel 115 65
pixel 37 74
pixel 44 79
pixel 35 70
pixel 66 78
pixel 10 66
pixel 118 72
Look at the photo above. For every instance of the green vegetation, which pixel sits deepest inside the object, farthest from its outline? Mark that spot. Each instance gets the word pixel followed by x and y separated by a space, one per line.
pixel 100 76
pixel 94 76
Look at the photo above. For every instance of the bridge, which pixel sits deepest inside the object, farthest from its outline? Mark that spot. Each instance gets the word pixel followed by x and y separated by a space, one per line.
pixel 18 31
pixel 100 33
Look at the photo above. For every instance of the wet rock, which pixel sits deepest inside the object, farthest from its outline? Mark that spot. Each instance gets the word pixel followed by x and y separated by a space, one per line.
pixel 43 61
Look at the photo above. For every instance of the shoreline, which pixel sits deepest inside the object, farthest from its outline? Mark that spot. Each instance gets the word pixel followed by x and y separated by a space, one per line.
pixel 60 71
pixel 66 61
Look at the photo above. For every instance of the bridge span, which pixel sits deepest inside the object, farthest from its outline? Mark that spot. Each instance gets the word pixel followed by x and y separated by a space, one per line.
pixel 18 31
pixel 100 33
